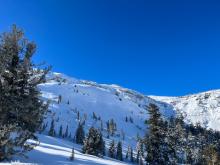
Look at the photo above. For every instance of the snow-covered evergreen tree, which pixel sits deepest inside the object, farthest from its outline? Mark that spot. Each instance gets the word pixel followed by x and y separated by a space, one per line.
pixel 131 155
pixel 66 132
pixel 61 131
pixel 80 134
pixel 111 150
pixel 72 157
pixel 112 127
pixel 140 150
pixel 128 152
pixel 93 144
pixel 52 130
pixel 154 138
pixel 119 155
pixel 20 105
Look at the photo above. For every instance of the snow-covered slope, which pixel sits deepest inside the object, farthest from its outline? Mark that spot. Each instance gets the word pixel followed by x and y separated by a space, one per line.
pixel 106 101
pixel 114 102
pixel 110 102
pixel 69 97
pixel 55 151
pixel 203 108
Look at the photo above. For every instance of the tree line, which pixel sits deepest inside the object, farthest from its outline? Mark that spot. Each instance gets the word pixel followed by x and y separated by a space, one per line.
pixel 171 141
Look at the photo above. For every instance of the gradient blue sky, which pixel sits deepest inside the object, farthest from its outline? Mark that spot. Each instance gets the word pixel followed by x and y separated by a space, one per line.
pixel 155 47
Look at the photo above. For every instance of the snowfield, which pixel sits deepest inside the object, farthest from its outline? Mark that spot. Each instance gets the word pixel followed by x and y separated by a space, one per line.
pixel 55 151
pixel 70 98
pixel 106 101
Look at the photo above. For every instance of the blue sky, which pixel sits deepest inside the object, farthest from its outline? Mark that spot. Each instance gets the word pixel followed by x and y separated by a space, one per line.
pixel 155 47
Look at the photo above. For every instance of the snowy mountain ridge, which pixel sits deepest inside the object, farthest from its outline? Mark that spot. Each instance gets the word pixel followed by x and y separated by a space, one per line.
pixel 203 108
pixel 113 101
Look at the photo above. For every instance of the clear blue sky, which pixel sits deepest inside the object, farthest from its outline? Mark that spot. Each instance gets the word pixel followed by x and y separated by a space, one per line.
pixel 155 47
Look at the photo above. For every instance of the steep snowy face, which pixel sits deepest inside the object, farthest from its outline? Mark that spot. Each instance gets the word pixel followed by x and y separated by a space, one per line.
pixel 203 108
pixel 73 100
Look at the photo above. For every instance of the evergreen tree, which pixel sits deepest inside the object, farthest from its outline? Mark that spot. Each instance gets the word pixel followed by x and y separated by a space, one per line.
pixel 78 115
pixel 122 134
pixel 172 140
pixel 5 141
pixel 20 104
pixel 66 132
pixel 43 127
pixel 141 162
pixel 101 125
pixel 189 156
pixel 138 157
pixel 108 129
pixel 112 127
pixel 119 151
pixel 140 147
pixel 140 151
pixel 94 116
pixel 72 157
pixel 61 131
pixel 210 155
pixel 154 138
pixel 93 144
pixel 85 116
pixel 59 99
pixel 128 152
pixel 115 127
pixel 178 140
pixel 52 130
pixel 70 135
pixel 131 120
pixel 80 135
pixel 131 155
pixel 111 150
pixel 103 148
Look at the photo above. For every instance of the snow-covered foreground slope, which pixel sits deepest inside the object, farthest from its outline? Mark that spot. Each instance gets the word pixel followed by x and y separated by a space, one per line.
pixel 55 151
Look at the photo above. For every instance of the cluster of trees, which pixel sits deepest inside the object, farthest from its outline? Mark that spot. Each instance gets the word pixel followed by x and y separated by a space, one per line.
pixel 174 142
pixel 94 143
pixel 167 141
pixel 115 151
pixel 129 119
pixel 21 109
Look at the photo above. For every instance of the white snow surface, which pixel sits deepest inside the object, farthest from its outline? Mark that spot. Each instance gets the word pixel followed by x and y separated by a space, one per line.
pixel 113 101
pixel 109 102
pixel 106 101
pixel 55 151
pixel 203 108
